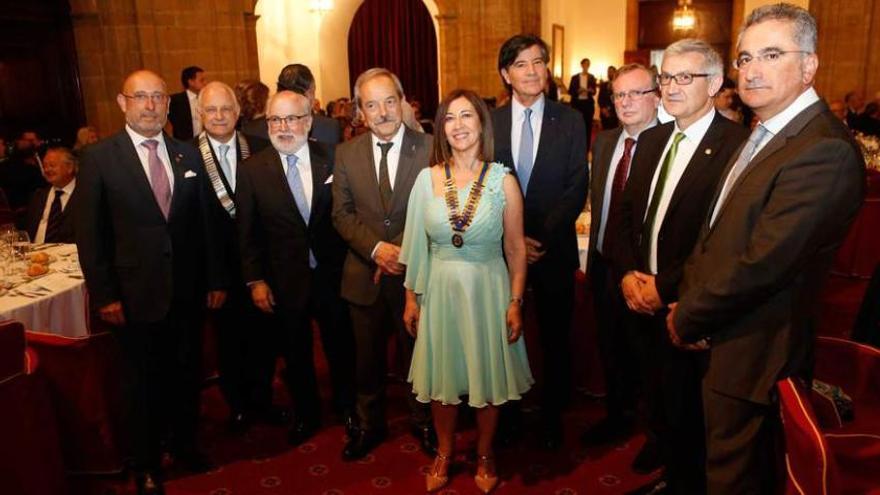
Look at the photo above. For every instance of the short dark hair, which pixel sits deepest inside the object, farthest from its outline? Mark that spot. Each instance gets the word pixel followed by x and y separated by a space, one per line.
pixel 441 151
pixel 295 77
pixel 189 73
pixel 512 48
pixel 585 60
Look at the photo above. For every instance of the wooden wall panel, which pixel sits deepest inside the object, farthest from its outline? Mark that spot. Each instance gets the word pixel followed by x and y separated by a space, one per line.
pixel 849 48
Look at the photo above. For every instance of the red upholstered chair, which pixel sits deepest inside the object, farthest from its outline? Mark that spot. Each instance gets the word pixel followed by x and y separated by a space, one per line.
pixel 860 252
pixel 809 463
pixel 30 451
pixel 84 377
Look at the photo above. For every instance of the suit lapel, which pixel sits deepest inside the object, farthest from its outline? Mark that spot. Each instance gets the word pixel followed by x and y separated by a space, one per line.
pixel 320 173
pixel 704 154
pixel 777 142
pixel 132 165
pixel 369 170
pixel 177 168
pixel 546 141
pixel 503 154
pixel 652 148
pixel 601 166
pixel 406 167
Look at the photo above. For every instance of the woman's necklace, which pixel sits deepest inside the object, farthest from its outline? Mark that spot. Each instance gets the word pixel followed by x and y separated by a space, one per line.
pixel 460 222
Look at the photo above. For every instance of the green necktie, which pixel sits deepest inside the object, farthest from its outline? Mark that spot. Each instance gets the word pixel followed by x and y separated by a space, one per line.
pixel 651 216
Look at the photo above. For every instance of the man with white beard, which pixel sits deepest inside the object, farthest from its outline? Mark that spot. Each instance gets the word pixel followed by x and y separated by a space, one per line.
pixel 292 256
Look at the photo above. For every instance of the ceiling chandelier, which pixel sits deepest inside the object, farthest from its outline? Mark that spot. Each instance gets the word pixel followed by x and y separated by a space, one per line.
pixel 684 18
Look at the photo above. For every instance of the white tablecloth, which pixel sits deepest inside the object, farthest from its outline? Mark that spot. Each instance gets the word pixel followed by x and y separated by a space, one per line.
pixel 64 309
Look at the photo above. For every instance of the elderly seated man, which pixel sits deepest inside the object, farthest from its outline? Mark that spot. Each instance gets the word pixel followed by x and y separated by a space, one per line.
pixel 48 213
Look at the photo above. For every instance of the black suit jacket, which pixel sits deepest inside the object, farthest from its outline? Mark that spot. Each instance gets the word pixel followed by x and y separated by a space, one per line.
pixel 603 152
pixel 557 189
pixel 273 236
pixel 753 280
pixel 324 129
pixel 128 251
pixel 687 208
pixel 575 84
pixel 224 223
pixel 180 116
pixel 35 214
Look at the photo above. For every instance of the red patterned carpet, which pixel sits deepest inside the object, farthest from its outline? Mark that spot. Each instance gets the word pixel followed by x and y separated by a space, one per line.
pixel 261 463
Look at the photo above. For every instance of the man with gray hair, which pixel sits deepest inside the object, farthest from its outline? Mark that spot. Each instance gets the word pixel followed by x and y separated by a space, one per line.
pixel 244 360
pixel 373 177
pixel 780 211
pixel 674 174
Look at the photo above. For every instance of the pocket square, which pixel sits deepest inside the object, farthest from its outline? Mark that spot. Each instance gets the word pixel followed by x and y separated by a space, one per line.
pixel 329 180
pixel 188 174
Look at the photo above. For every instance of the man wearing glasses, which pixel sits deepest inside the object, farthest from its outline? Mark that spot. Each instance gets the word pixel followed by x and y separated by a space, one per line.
pixel 292 256
pixel 782 207
pixel 674 175
pixel 636 96
pixel 142 240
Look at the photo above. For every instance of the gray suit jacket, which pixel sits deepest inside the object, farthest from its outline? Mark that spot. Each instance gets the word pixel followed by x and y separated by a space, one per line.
pixel 754 277
pixel 603 149
pixel 357 208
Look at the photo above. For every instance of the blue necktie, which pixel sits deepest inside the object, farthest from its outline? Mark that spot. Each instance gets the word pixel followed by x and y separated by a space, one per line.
pixel 227 168
pixel 526 146
pixel 294 181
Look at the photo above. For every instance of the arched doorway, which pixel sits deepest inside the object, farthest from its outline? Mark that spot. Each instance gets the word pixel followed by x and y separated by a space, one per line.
pixel 398 35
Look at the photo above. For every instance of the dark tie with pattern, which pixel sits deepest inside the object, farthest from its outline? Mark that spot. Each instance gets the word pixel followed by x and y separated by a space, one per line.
pixel 384 180
pixel 158 177
pixel 53 225
pixel 612 219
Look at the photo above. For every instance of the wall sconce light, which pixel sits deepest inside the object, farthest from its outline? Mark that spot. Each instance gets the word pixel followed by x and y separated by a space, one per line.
pixel 684 18
pixel 320 6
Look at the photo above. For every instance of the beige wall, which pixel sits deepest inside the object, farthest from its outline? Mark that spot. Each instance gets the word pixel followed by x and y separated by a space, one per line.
pixel 594 29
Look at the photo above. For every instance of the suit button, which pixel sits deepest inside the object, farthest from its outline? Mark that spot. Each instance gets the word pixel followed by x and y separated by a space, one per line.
pixel 387 222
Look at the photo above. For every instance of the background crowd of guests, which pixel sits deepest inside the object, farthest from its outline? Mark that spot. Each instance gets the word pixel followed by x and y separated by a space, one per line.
pixel 710 229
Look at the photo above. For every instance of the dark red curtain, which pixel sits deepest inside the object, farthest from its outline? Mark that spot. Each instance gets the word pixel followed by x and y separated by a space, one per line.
pixel 398 35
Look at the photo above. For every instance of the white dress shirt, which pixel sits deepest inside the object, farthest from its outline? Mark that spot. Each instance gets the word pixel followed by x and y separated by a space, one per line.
pixel 536 120
pixel 231 157
pixel 393 154
pixel 40 236
pixel 584 83
pixel 686 149
pixel 144 153
pixel 609 178
pixel 194 112
pixel 304 165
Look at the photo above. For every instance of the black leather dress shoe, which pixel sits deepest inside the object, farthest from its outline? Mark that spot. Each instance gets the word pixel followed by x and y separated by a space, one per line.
pixel 551 436
pixel 192 461
pixel 656 487
pixel 427 437
pixel 606 431
pixel 350 423
pixel 362 444
pixel 648 459
pixel 239 423
pixel 149 484
pixel 301 431
pixel 273 416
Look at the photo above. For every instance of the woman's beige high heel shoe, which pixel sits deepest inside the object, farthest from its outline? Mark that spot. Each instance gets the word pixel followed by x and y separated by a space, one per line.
pixel 486 479
pixel 438 476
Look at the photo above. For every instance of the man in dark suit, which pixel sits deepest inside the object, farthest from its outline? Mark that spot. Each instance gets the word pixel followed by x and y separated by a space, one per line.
pixel 582 89
pixel 374 175
pixel 750 288
pixel 49 217
pixel 142 240
pixel 674 175
pixel 635 95
pixel 299 79
pixel 545 143
pixel 183 112
pixel 246 358
pixel 292 256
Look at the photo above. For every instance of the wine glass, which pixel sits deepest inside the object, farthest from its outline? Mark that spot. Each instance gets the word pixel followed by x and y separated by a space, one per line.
pixel 21 245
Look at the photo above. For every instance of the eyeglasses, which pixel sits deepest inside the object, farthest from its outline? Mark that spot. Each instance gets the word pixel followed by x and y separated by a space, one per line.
pixel 221 110
pixel 143 98
pixel 275 121
pixel 633 95
pixel 682 78
pixel 769 57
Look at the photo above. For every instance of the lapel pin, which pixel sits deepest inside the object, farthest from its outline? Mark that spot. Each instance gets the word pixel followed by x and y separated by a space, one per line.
pixel 177 158
pixel 708 151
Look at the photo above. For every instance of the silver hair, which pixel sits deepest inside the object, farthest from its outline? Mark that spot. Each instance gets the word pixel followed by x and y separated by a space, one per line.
pixel 371 74
pixel 804 24
pixel 224 87
pixel 712 63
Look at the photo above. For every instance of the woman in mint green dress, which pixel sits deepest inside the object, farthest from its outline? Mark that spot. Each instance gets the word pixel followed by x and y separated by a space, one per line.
pixel 463 302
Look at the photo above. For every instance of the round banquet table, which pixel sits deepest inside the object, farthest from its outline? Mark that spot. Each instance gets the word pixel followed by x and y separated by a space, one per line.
pixel 55 303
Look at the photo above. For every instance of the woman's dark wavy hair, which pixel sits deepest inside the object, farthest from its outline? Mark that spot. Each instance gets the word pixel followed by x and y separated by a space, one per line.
pixel 442 151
